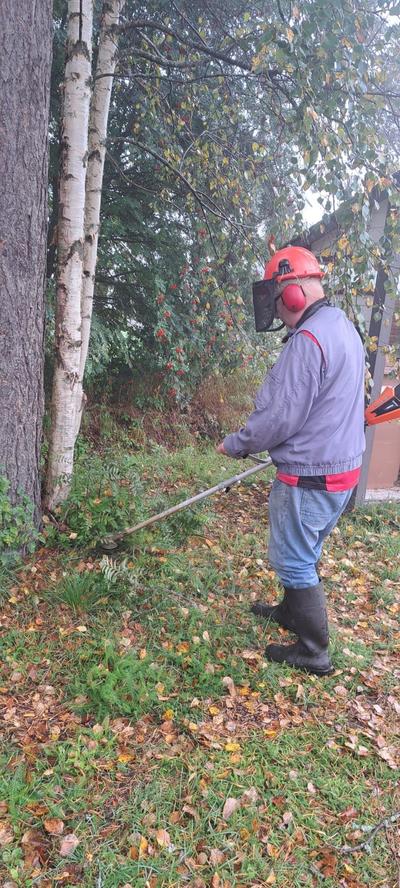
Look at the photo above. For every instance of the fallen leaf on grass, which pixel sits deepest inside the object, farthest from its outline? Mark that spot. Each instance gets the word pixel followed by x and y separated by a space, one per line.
pixel 251 656
pixel 35 847
pixel 328 864
pixel 232 746
pixel 125 757
pixel 54 826
pixel 348 814
pixel 231 805
pixel 213 710
pixel 187 809
pixel 250 796
pixel 216 857
pixel 228 683
pixel 387 754
pixel 68 844
pixel 163 838
pixel 341 691
pixel 137 852
pixel 6 834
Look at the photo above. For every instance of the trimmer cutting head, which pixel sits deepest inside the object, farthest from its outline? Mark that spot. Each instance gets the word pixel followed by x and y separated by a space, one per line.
pixel 108 545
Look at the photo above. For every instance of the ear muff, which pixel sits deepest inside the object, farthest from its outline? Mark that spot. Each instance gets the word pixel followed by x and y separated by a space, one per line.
pixel 293 297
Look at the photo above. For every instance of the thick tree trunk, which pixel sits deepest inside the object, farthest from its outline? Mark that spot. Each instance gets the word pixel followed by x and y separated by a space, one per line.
pixel 25 65
pixel 74 145
pixel 99 110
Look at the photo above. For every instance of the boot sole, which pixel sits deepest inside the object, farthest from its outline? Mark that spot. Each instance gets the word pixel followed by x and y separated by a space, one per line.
pixel 311 670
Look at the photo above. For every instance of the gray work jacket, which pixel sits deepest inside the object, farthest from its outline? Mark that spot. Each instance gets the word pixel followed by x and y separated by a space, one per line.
pixel 309 411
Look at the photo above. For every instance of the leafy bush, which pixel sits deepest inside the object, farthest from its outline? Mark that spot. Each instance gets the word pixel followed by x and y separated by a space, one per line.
pixel 17 530
pixel 105 497
pixel 109 493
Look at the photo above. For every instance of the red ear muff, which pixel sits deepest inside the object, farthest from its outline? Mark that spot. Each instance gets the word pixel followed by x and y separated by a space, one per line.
pixel 293 297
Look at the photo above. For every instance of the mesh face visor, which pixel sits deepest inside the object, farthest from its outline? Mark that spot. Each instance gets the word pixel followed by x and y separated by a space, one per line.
pixel 264 303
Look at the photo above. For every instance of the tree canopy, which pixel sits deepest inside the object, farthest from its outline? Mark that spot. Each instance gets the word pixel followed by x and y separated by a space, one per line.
pixel 223 116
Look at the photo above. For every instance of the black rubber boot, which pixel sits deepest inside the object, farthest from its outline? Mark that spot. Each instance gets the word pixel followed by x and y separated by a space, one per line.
pixel 310 652
pixel 278 613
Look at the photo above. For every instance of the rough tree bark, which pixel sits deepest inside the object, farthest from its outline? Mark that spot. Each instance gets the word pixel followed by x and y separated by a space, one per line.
pixel 74 145
pixel 98 122
pixel 25 65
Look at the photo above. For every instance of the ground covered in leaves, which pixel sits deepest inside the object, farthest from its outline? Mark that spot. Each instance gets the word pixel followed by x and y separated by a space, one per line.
pixel 146 742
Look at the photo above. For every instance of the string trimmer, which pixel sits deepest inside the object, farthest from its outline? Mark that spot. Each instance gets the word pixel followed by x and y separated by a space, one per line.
pixel 383 409
pixel 111 542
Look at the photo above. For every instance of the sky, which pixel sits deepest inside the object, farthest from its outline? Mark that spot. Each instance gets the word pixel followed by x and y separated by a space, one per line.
pixel 313 211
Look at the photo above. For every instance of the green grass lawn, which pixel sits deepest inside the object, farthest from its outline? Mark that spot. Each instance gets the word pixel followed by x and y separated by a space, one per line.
pixel 146 742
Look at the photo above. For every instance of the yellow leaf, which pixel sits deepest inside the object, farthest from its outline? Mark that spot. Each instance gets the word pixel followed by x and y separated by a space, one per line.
pixel 231 746
pixel 125 757
pixel 213 710
pixel 143 846
pixel 183 647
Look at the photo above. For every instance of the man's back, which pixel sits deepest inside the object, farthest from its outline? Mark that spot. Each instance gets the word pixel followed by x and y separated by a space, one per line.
pixel 328 354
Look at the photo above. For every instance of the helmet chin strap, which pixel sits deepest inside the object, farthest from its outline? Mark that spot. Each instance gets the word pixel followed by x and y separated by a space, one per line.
pixel 275 329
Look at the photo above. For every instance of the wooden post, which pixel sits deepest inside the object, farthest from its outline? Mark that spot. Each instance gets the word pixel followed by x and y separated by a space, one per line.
pixel 380 327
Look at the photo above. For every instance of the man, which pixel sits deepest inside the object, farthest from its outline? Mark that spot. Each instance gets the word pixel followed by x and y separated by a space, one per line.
pixel 309 415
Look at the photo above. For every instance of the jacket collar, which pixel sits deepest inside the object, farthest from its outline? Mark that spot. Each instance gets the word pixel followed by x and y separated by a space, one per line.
pixel 308 313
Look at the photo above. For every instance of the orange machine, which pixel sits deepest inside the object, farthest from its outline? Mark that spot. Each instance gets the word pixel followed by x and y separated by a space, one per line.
pixel 386 407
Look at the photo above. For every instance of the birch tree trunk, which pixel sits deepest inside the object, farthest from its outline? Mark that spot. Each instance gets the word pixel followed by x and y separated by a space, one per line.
pixel 25 64
pixel 98 122
pixel 74 146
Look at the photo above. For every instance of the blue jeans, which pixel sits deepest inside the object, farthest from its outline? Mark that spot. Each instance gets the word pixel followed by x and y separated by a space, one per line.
pixel 299 521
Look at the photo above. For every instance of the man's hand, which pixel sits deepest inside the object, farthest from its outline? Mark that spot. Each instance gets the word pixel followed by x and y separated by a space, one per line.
pixel 221 449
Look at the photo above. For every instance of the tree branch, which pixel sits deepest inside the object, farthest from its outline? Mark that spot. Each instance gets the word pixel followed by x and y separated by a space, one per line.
pixel 351 849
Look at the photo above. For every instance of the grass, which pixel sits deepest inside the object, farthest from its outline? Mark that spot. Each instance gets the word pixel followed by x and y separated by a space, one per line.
pixel 136 700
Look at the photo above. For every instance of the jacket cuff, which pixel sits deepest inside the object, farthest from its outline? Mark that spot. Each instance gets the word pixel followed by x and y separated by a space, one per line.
pixel 233 447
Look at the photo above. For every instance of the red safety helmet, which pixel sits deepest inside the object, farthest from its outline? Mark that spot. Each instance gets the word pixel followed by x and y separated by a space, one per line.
pixel 292 262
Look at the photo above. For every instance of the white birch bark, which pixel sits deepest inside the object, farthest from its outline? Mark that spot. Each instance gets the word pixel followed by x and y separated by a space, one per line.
pixel 98 122
pixel 74 145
